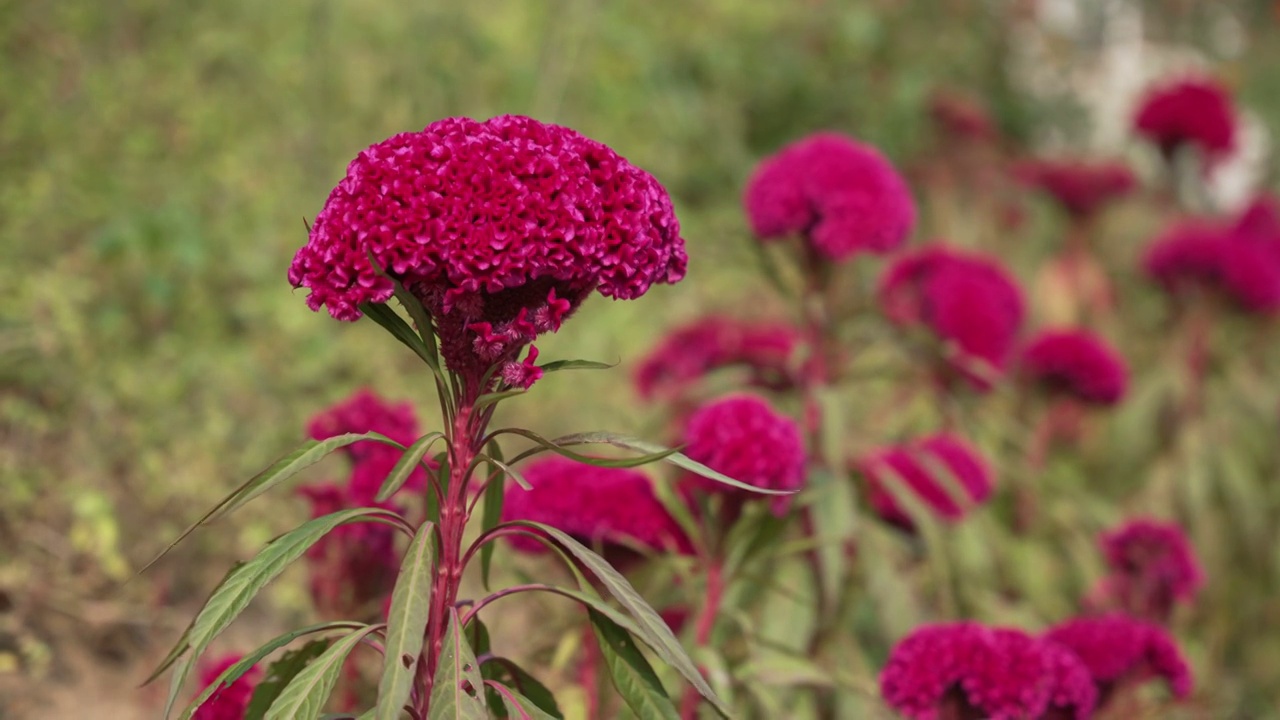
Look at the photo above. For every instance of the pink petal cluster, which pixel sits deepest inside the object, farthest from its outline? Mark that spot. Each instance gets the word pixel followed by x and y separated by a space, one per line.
pixel 966 670
pixel 1120 650
pixel 1153 566
pixel 843 196
pixel 613 507
pixel 1072 695
pixel 230 702
pixel 1077 363
pixel 1195 111
pixel 695 350
pixel 372 461
pixel 918 464
pixel 744 437
pixel 960 117
pixel 354 565
pixel 1081 187
pixel 965 298
pixel 501 227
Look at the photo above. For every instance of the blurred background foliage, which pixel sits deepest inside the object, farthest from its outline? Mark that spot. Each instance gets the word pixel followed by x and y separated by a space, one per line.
pixel 159 161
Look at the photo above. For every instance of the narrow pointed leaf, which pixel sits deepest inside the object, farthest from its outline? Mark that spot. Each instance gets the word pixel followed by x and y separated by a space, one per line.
pixel 400 330
pixel 281 673
pixel 493 398
pixel 405 466
pixel 632 676
pixel 406 622
pixel 304 698
pixel 516 706
pixel 528 687
pixel 558 365
pixel 491 514
pixel 184 643
pixel 457 690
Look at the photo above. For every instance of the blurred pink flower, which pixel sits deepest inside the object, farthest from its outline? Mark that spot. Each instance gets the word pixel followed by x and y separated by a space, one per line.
pixel 703 346
pixel 1080 187
pixel 354 564
pixel 1077 363
pixel 1120 651
pixel 843 196
pixel 364 411
pixel 1195 111
pixel 1238 260
pixel 229 702
pixel 1072 695
pixel 917 464
pixel 1153 566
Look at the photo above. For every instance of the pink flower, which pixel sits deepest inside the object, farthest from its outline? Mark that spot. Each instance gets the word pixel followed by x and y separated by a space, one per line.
pixel 371 461
pixel 229 702
pixel 1072 695
pixel 742 436
pixel 1153 566
pixel 1120 650
pixel 506 224
pixel 1080 187
pixel 1077 363
pixel 355 564
pixel 918 464
pixel 843 196
pixel 1192 111
pixel 968 299
pixel 715 342
pixel 965 670
pixel 613 507
pixel 1239 261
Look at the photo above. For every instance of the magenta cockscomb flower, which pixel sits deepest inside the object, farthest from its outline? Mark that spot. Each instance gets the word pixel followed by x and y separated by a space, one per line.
pixel 354 565
pixel 1076 363
pixel 692 351
pixel 954 671
pixel 1121 651
pixel 843 196
pixel 1080 187
pixel 943 471
pixel 1153 567
pixel 501 228
pixel 229 702
pixel 744 437
pixel 966 299
pixel 1239 261
pixel 372 461
pixel 1072 695
pixel 616 508
pixel 1191 111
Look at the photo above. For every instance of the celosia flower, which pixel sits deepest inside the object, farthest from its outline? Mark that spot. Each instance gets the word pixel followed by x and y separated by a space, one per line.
pixel 371 461
pixel 1082 188
pixel 844 197
pixel 1077 363
pixel 742 436
pixel 1153 566
pixel 967 299
pixel 715 342
pixel 1072 695
pixel 1240 262
pixel 229 702
pixel 919 464
pixel 501 228
pixel 955 671
pixel 1120 650
pixel 613 507
pixel 354 564
pixel 960 117
pixel 1192 111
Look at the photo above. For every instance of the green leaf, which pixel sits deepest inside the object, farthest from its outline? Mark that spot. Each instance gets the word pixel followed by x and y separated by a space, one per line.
pixel 515 705
pixel 558 446
pixel 305 696
pixel 494 398
pixel 400 330
pixel 634 679
pixel 421 318
pixel 410 603
pixel 279 675
pixel 491 515
pixel 558 365
pixel 834 524
pixel 456 692
pixel 405 466
pixel 183 644
pixel 529 688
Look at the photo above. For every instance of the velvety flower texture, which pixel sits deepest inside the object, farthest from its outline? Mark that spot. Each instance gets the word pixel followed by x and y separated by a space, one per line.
pixel 1192 111
pixel 1120 650
pixel 1077 363
pixel 354 565
pixel 613 507
pixel 230 702
pixel 918 464
pixel 698 348
pixel 1072 695
pixel 965 298
pixel 1153 566
pixel 843 196
pixel 501 227
pixel 742 436
pixel 371 461
pixel 961 671
pixel 1081 188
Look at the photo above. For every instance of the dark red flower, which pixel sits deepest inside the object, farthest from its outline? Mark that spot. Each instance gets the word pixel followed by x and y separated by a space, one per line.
pixel 229 702
pixel 843 196
pixel 703 346
pixel 1192 111
pixel 1240 260
pixel 742 436
pixel 1077 363
pixel 371 460
pixel 1120 650
pixel 500 227
pixel 1153 566
pixel 920 464
pixel 1072 695
pixel 1080 187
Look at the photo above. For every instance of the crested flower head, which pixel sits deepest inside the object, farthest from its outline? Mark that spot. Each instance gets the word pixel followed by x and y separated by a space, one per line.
pixel 613 507
pixel 1077 363
pixel 1153 566
pixel 966 299
pixel 1120 650
pixel 965 670
pixel 1082 188
pixel 371 460
pixel 742 436
pixel 943 471
pixel 1072 695
pixel 1191 111
pixel 843 196
pixel 501 228
pixel 231 701
pixel 1239 261
pixel 356 563
pixel 715 342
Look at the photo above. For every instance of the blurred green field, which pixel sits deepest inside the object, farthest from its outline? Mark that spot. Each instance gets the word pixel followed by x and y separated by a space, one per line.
pixel 159 162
